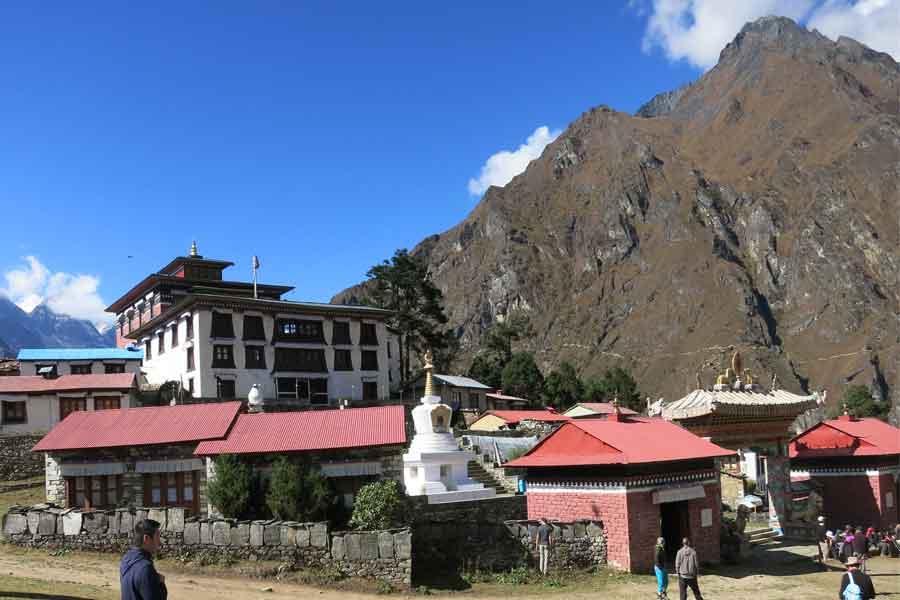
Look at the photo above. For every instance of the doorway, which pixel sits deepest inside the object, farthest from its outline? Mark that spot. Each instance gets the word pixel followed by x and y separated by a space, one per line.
pixel 674 525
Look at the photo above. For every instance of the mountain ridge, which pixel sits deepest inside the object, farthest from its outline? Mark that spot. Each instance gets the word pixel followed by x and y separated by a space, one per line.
pixel 756 210
pixel 44 328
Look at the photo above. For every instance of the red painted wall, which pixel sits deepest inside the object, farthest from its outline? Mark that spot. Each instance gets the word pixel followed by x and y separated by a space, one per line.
pixel 851 499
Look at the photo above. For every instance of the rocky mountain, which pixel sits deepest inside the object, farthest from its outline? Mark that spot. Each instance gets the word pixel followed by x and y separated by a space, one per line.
pixel 756 208
pixel 43 328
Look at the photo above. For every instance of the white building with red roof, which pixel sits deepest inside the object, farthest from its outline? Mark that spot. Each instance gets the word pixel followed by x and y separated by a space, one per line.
pixel 35 403
pixel 856 465
pixel 644 478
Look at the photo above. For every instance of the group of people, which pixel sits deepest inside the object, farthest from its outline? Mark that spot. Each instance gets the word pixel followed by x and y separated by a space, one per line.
pixel 854 542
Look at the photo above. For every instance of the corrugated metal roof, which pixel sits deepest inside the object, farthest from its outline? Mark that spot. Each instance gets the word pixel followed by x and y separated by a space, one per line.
pixel 460 381
pixel 499 396
pixel 633 440
pixel 876 437
pixel 311 430
pixel 704 402
pixel 80 354
pixel 515 416
pixel 140 426
pixel 602 408
pixel 34 384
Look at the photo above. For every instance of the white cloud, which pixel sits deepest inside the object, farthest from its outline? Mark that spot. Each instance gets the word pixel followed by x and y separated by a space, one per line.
pixel 875 23
pixel 64 293
pixel 697 30
pixel 501 167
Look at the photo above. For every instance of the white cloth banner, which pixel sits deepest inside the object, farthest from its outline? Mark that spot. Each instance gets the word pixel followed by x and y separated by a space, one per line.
pixel 677 494
pixel 88 469
pixel 169 466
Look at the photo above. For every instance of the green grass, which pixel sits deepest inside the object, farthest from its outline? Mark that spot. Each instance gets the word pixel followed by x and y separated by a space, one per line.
pixel 16 588
pixel 27 496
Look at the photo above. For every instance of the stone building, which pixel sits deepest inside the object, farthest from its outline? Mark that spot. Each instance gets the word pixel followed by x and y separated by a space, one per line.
pixel 216 339
pixel 589 410
pixel 643 478
pixel 737 413
pixel 81 361
pixel 35 403
pixel 133 457
pixel 855 466
pixel 352 447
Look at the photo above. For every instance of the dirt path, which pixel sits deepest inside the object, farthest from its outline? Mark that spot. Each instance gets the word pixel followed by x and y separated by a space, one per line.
pixel 794 580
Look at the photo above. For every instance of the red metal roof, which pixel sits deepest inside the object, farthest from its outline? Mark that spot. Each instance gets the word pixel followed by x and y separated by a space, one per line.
pixel 311 430
pixel 847 437
pixel 605 408
pixel 140 426
pixel 633 440
pixel 514 416
pixel 35 384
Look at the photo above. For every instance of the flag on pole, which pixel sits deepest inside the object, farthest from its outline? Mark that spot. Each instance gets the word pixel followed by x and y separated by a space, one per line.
pixel 255 262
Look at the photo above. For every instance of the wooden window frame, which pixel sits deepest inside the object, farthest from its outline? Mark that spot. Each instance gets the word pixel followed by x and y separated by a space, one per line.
pixel 11 417
pixel 249 351
pixel 372 354
pixel 82 402
pixel 175 334
pixel 348 366
pixel 174 480
pixel 227 360
pixel 107 400
pixel 85 369
pixel 112 368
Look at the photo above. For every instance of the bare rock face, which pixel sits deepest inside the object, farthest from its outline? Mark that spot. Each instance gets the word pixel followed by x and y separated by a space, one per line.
pixel 758 208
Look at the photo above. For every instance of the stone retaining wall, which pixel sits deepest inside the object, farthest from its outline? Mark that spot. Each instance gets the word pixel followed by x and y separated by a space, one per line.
pixel 578 545
pixel 17 461
pixel 381 555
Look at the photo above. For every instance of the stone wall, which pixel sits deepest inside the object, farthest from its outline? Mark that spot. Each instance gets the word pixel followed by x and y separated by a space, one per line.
pixel 17 461
pixel 577 545
pixel 380 555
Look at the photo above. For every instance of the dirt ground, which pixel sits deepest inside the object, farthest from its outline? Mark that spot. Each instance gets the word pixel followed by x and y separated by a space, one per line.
pixel 779 572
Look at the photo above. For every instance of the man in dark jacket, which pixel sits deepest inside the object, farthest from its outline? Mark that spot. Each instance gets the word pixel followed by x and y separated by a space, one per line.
pixel 687 567
pixel 866 588
pixel 137 575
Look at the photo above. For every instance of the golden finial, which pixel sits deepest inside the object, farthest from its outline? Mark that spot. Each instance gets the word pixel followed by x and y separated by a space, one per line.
pixel 194 248
pixel 429 367
pixel 846 410
pixel 737 364
pixel 748 378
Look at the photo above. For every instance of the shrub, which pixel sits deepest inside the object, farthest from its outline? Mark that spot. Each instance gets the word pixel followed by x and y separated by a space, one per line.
pixel 298 492
pixel 231 488
pixel 379 505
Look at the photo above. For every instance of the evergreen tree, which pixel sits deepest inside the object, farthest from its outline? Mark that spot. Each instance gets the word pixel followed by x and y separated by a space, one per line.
pixel 860 403
pixel 229 491
pixel 297 493
pixel 522 377
pixel 562 387
pixel 488 369
pixel 616 382
pixel 403 285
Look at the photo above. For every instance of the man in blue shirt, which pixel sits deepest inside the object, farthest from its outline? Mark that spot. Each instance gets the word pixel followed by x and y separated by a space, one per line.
pixel 138 577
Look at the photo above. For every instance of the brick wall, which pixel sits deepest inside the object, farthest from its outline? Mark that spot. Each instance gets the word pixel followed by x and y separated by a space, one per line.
pixel 883 485
pixel 706 539
pixel 610 508
pixel 850 500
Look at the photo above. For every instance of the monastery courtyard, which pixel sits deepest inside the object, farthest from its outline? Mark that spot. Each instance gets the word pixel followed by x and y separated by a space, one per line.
pixel 775 572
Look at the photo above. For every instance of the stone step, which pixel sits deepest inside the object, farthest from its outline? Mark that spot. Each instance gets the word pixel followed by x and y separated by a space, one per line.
pixel 479 474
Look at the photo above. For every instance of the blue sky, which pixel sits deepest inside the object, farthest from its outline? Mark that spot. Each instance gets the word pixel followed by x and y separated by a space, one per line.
pixel 319 136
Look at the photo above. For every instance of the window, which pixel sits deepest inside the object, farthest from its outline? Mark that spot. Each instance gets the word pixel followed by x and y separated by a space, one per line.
pixel 225 389
pixel 70 405
pixel 175 334
pixel 222 325
pixel 189 330
pixel 161 345
pixel 14 412
pixel 370 391
pixel 294 330
pixel 96 491
pixel 190 359
pixel 369 360
pixel 148 350
pixel 191 387
pixel 340 333
pixel 80 369
pixel 172 489
pixel 343 360
pixel 367 336
pixel 300 359
pixel 255 357
pixel 253 328
pixel 389 348
pixel 107 402
pixel 473 400
pixel 110 368
pixel 314 391
pixel 223 357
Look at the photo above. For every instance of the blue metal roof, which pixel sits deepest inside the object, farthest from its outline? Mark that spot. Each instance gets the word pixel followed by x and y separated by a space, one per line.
pixel 80 354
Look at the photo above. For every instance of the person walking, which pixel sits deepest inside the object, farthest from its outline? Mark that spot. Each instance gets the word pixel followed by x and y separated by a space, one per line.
pixel 687 566
pixel 138 577
pixel 659 567
pixel 860 546
pixel 856 585
pixel 544 542
pixel 822 539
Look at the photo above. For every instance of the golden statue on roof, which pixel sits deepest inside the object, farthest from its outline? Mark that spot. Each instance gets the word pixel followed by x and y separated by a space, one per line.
pixel 737 365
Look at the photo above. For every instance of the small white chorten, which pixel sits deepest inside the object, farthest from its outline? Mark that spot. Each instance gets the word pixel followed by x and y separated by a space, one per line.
pixel 434 465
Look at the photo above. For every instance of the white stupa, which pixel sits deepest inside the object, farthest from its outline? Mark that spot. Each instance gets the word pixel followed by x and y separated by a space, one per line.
pixel 435 466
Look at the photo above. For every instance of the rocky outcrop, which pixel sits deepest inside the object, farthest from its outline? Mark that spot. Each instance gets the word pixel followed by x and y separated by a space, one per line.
pixel 757 209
